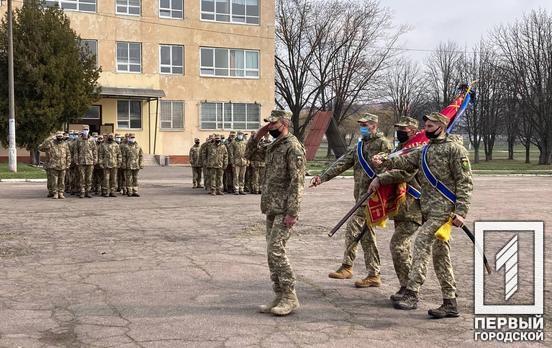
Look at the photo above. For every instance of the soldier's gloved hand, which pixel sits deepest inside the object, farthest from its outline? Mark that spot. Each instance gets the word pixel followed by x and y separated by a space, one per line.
pixel 374 185
pixel 457 220
pixel 289 220
pixel 377 160
pixel 315 181
pixel 261 132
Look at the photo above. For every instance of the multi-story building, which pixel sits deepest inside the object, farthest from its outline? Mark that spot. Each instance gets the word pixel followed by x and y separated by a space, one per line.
pixel 173 70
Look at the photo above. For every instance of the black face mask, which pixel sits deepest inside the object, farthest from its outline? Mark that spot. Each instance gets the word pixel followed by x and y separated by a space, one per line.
pixel 197 143
pixel 275 133
pixel 217 142
pixel 402 136
pixel 59 139
pixel 434 134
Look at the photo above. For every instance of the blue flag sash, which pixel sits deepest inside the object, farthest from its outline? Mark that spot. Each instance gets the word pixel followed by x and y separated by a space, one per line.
pixel 443 190
pixel 363 163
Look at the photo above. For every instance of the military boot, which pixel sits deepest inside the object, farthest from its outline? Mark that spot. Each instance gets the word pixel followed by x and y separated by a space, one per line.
pixel 242 192
pixel 111 194
pixel 54 196
pixel 61 196
pixel 220 193
pixel 212 193
pixel 50 194
pixel 448 309
pixel 369 281
pixel 81 195
pixel 267 308
pixel 343 272
pixel 87 195
pixel 409 301
pixel 398 295
pixel 287 304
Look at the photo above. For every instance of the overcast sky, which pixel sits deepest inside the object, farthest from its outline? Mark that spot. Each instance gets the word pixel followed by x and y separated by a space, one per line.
pixel 464 21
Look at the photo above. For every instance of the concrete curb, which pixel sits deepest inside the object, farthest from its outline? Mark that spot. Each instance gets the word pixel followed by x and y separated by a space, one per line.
pixel 22 180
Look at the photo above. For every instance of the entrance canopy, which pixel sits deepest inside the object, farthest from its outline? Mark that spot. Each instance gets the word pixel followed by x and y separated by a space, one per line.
pixel 131 93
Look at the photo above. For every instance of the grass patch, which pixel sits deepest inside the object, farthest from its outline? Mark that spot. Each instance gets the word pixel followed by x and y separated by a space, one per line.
pixel 24 171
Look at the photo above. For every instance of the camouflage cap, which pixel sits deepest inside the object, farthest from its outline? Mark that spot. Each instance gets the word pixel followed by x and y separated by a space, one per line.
pixel 368 118
pixel 277 115
pixel 94 134
pixel 232 132
pixel 407 122
pixel 59 134
pixel 85 127
pixel 240 132
pixel 217 137
pixel 131 135
pixel 437 117
pixel 196 139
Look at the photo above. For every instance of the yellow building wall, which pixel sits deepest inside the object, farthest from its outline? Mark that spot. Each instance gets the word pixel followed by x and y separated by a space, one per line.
pixel 191 32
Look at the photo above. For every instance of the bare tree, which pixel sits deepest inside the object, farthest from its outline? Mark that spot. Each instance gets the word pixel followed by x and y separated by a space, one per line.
pixel 442 70
pixel 526 50
pixel 404 88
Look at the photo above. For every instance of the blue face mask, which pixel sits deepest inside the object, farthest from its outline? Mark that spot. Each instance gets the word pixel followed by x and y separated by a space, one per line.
pixel 365 132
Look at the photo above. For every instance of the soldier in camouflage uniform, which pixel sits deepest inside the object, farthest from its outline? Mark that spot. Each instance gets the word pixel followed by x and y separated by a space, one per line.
pixel 449 163
pixel 203 154
pixel 59 161
pixel 195 162
pixel 228 178
pixel 86 153
pixel 121 173
pixel 97 176
pixel 373 143
pixel 217 160
pixel 239 162
pixel 45 147
pixel 258 165
pixel 280 201
pixel 110 160
pixel 132 162
pixel 248 184
pixel 409 216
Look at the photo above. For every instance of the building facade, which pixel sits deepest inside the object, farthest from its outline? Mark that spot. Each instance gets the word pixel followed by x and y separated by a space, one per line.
pixel 174 70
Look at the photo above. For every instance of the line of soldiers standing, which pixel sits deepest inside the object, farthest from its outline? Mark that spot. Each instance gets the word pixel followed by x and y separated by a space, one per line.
pixel 80 164
pixel 224 165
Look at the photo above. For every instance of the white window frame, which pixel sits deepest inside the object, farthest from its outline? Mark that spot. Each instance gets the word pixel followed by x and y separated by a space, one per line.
pixel 171 10
pixel 128 64
pixel 128 121
pixel 231 14
pixel 221 119
pixel 171 65
pixel 128 6
pixel 229 69
pixel 172 128
pixel 77 4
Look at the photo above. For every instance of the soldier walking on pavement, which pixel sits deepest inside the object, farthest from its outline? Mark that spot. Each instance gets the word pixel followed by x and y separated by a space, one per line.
pixel 132 162
pixel 409 216
pixel 239 162
pixel 60 160
pixel 443 161
pixel 195 162
pixel 372 143
pixel 217 160
pixel 110 160
pixel 86 153
pixel 281 197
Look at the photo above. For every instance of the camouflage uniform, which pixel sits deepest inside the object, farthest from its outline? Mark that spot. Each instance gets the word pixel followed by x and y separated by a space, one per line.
pixel 449 162
pixel 407 220
pixel 121 173
pixel 228 177
pixel 86 155
pixel 239 164
pixel 281 195
pixel 195 162
pixel 132 162
pixel 110 160
pixel 258 167
pixel 45 147
pixel 217 160
pixel 97 176
pixel 203 155
pixel 59 161
pixel 375 144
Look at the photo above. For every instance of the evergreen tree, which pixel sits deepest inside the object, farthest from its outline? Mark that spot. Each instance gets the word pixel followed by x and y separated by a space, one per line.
pixel 55 78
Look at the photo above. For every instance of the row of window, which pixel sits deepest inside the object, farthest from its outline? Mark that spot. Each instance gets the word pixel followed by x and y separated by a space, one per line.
pixel 230 11
pixel 214 61
pixel 212 115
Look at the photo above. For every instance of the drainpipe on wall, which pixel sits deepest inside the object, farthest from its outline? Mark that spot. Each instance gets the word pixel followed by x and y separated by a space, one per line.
pixel 156 121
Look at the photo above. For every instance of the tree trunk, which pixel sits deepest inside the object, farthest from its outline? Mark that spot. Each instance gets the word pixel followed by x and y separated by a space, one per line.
pixel 511 143
pixel 335 140
pixel 35 156
pixel 475 153
pixel 527 152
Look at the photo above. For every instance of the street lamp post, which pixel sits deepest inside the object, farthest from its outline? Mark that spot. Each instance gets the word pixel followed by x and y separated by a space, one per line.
pixel 12 151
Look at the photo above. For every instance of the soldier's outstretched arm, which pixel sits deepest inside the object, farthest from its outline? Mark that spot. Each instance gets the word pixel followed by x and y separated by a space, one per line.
pixel 409 163
pixel 461 172
pixel 339 166
pixel 396 176
pixel 252 147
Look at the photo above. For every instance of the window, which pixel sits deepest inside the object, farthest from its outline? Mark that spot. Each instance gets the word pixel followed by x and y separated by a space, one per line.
pixel 73 5
pixel 171 59
pixel 90 47
pixel 233 11
pixel 93 113
pixel 128 7
pixel 129 114
pixel 129 57
pixel 172 115
pixel 239 116
pixel 229 62
pixel 171 9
